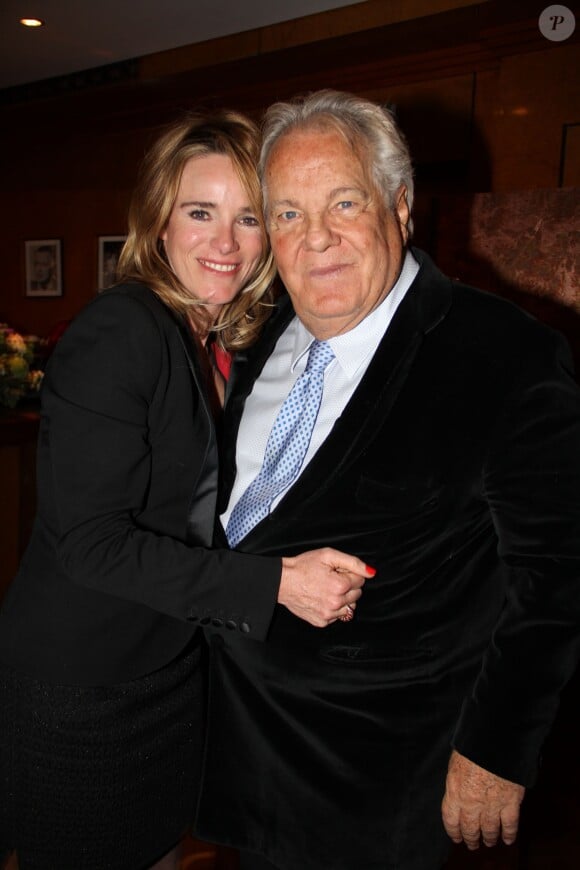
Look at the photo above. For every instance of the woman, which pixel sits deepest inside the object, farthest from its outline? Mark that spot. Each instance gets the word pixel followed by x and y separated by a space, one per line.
pixel 101 689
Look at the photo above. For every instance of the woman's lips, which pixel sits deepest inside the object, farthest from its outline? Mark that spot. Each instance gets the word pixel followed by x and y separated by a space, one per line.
pixel 226 268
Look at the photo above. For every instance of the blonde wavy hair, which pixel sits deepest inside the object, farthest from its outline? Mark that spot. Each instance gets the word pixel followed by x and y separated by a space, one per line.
pixel 143 256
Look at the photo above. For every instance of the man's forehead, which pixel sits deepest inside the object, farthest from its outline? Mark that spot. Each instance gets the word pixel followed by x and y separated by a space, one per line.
pixel 334 165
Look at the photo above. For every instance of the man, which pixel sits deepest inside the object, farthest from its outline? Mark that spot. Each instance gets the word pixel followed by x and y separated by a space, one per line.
pixel 43 269
pixel 445 453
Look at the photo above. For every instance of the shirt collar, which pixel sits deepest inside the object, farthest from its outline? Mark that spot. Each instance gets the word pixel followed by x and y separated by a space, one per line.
pixel 352 349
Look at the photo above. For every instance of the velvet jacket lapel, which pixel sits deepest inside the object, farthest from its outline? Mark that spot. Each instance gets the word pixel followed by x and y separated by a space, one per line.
pixel 424 306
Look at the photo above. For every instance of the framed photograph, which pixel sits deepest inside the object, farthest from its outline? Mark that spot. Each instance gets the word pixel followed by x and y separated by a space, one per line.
pixel 43 267
pixel 109 251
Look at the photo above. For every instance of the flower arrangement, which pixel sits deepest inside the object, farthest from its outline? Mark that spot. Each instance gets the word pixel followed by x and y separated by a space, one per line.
pixel 17 377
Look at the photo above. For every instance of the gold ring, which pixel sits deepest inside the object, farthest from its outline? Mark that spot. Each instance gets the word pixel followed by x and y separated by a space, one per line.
pixel 346 617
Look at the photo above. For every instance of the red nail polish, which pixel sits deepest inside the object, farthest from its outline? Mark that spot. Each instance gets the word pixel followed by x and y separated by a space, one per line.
pixel 371 571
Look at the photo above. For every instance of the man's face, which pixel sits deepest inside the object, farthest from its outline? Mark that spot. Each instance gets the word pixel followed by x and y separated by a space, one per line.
pixel 42 266
pixel 338 251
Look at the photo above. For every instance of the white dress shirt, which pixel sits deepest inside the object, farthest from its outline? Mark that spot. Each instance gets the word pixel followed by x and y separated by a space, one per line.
pixel 353 352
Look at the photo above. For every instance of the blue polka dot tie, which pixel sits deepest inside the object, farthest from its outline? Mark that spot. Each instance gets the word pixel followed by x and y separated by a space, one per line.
pixel 286 447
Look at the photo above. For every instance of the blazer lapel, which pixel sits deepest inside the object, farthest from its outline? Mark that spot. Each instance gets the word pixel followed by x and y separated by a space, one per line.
pixel 202 505
pixel 422 309
pixel 424 306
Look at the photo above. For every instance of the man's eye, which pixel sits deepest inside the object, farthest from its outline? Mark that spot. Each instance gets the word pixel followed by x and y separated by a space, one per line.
pixel 345 204
pixel 288 215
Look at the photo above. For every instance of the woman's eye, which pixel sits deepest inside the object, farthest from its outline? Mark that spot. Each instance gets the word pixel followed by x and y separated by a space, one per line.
pixel 249 221
pixel 199 214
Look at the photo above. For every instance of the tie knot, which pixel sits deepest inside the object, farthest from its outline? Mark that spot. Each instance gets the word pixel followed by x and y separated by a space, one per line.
pixel 319 356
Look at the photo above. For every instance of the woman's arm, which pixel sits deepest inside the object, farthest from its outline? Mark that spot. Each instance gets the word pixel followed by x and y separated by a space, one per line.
pixel 102 382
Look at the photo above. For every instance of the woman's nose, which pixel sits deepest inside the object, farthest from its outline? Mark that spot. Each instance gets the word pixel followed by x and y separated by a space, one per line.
pixel 225 240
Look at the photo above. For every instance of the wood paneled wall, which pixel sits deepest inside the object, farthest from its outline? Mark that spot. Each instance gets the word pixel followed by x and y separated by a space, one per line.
pixel 486 101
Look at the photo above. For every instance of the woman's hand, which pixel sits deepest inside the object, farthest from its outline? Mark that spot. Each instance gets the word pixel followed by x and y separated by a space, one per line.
pixel 321 586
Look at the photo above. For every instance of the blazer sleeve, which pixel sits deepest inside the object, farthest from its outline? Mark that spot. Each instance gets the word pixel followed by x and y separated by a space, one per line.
pixel 102 381
pixel 532 484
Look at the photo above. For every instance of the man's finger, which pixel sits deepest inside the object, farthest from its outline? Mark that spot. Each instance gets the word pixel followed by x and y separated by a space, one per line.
pixel 471 830
pixel 509 824
pixel 450 815
pixel 490 829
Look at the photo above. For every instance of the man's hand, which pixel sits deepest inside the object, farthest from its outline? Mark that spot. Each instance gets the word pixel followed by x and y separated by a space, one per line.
pixel 318 585
pixel 479 804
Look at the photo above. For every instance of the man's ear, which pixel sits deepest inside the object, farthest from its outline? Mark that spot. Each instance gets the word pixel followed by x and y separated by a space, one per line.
pixel 402 211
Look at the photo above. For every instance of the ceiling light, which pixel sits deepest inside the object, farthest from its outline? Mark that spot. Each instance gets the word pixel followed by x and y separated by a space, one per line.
pixel 32 22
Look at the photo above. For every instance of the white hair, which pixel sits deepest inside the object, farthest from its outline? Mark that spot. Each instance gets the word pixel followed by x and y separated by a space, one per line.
pixel 370 129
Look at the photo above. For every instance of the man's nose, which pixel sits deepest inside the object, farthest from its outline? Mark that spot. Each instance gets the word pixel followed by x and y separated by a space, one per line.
pixel 319 234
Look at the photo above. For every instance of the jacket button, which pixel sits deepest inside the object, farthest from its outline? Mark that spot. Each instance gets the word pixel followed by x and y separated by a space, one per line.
pixel 245 627
pixel 231 623
pixel 205 620
pixel 217 621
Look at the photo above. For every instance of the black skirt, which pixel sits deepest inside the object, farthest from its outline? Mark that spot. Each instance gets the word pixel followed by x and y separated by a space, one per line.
pixel 100 778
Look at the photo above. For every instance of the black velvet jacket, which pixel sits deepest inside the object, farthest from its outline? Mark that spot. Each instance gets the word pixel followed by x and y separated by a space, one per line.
pixel 455 471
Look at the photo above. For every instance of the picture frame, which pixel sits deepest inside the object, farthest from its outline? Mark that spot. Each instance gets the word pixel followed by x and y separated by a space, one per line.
pixel 43 267
pixel 109 252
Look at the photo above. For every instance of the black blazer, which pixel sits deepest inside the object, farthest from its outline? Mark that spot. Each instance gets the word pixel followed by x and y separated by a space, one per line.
pixel 118 574
pixel 455 471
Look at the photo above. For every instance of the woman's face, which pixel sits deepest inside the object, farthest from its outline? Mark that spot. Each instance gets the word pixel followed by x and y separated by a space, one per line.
pixel 213 239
